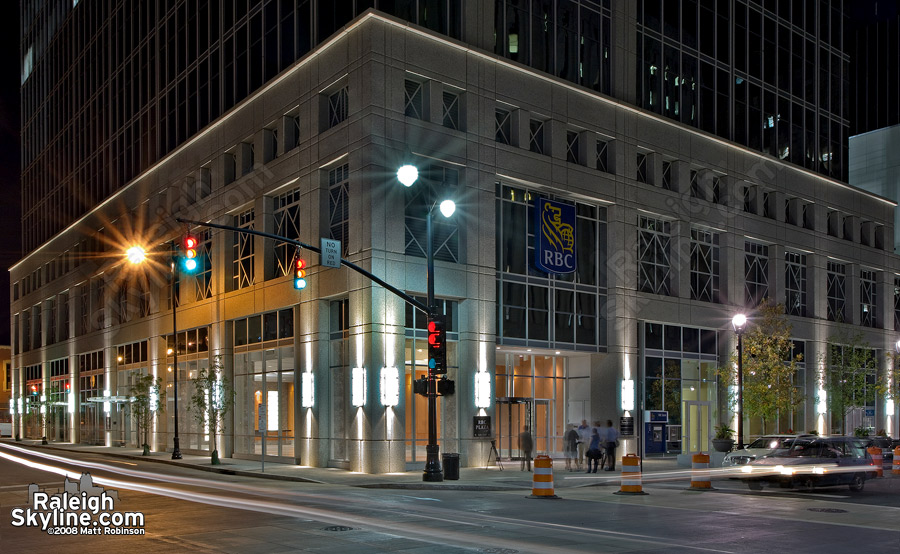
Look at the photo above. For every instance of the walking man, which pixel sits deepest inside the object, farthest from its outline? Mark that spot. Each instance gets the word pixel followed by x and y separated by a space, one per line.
pixel 584 438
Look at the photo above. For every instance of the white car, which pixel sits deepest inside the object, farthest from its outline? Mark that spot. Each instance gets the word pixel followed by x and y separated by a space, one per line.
pixel 760 448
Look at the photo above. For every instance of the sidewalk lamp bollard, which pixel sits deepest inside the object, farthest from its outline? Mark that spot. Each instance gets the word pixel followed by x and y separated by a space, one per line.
pixel 408 175
pixel 739 321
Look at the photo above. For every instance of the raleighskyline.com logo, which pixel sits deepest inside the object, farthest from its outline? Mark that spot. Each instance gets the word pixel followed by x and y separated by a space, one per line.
pixel 82 509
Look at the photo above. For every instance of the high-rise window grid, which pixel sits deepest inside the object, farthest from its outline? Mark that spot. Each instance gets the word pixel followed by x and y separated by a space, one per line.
pixel 203 273
pixel 774 81
pixel 896 303
pixel 287 224
pixel 756 273
pixel 339 206
pixel 868 298
pixel 243 271
pixel 836 295
pixel 704 265
pixel 654 238
pixel 568 39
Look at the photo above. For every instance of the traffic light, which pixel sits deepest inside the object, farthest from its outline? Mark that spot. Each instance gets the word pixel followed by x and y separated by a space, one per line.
pixel 437 345
pixel 299 274
pixel 189 256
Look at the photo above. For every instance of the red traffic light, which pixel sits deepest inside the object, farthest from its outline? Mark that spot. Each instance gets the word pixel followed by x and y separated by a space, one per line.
pixel 437 347
pixel 299 274
pixel 190 242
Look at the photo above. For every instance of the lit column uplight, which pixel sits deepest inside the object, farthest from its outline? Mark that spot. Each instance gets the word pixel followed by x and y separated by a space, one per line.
pixel 390 386
pixel 358 390
pixel 308 397
pixel 483 389
pixel 628 395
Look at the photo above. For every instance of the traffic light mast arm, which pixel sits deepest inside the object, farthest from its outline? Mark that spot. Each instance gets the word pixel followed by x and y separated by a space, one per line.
pixel 406 298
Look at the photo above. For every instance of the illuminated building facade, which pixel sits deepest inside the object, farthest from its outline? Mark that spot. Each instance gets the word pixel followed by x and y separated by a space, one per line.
pixel 671 229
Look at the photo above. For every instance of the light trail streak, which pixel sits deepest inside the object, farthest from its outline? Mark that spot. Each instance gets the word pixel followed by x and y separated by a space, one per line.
pixel 418 531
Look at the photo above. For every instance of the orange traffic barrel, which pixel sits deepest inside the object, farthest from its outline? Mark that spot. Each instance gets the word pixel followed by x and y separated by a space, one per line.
pixel 631 475
pixel 542 486
pixel 700 480
pixel 877 459
pixel 895 467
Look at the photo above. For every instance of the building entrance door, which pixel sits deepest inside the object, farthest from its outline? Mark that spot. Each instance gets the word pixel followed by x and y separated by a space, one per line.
pixel 513 415
pixel 697 427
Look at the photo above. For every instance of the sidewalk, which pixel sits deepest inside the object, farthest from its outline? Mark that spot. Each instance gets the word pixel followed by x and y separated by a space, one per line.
pixel 470 478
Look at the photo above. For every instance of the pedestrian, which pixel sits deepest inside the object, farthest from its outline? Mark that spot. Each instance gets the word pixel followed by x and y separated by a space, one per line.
pixel 526 445
pixel 612 441
pixel 593 453
pixel 570 445
pixel 584 437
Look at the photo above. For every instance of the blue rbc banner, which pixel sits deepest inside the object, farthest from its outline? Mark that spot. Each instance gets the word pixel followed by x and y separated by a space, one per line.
pixel 554 232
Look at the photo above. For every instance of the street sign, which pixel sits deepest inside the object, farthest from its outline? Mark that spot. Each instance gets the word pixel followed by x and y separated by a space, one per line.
pixel 331 253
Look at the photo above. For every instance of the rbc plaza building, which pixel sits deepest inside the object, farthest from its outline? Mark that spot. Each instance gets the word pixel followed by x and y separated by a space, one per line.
pixel 628 176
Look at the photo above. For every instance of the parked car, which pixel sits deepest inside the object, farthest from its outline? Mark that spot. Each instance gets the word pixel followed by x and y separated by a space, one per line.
pixel 813 462
pixel 760 448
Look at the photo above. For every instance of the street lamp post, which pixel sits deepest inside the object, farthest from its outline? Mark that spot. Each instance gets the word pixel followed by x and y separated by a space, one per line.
pixel 136 255
pixel 408 175
pixel 738 322
pixel 176 442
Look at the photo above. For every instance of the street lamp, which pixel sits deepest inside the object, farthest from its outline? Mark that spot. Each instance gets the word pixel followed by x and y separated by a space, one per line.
pixel 408 175
pixel 738 322
pixel 136 255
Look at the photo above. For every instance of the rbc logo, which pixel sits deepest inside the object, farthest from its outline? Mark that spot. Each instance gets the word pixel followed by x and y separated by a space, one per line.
pixel 555 236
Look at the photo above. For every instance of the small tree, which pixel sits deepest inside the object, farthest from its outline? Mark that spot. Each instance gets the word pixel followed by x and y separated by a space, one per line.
pixel 768 367
pixel 211 400
pixel 850 360
pixel 148 396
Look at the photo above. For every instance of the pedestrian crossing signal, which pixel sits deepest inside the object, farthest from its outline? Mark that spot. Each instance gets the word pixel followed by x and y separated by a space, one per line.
pixel 299 274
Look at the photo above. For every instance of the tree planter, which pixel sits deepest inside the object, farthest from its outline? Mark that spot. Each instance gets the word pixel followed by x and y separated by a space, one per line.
pixel 723 445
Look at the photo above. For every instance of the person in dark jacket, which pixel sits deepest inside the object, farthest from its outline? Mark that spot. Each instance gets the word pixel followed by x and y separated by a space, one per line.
pixel 593 453
pixel 570 445
pixel 526 445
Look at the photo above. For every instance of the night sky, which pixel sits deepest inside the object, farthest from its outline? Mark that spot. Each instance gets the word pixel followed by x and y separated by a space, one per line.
pixel 10 205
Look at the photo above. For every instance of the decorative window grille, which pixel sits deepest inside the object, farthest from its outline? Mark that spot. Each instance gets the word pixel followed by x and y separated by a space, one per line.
pixel 287 224
pixel 338 106
pixel 536 139
pixel 716 190
pixel 704 265
pixel 451 110
pixel 756 273
pixel 654 240
pixel 203 273
pixel 64 316
pixel 572 147
pixel 603 156
pixel 445 230
pixel 896 303
pixel 868 297
pixel 836 294
pixel 795 283
pixel 503 122
pixel 748 206
pixel 243 270
pixel 339 206
pixel 696 191
pixel 642 168
pixel 413 105
pixel 667 175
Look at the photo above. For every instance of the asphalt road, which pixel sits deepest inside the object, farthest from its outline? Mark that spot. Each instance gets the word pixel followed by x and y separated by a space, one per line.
pixel 197 511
